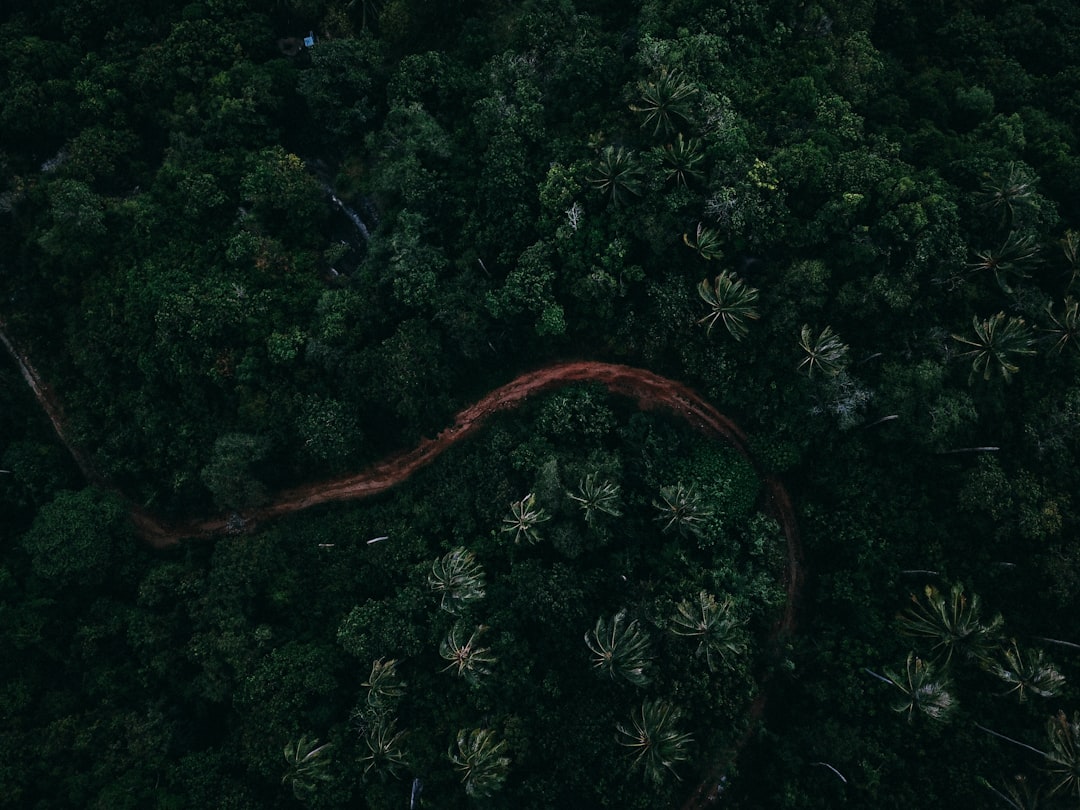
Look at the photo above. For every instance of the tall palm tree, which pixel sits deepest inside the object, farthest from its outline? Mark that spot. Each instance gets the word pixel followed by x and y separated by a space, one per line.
pixel 307 763
pixel 713 623
pixel 620 650
pixel 653 740
pixel 731 301
pixel 826 353
pixel 458 577
pixel 682 509
pixel 384 751
pixel 681 159
pixel 1006 194
pixel 998 342
pixel 1012 259
pixel 707 242
pixel 1018 793
pixel 1063 758
pixel 665 101
pixel 384 686
pixel 1065 329
pixel 618 175
pixel 478 756
pixel 952 623
pixel 596 497
pixel 524 518
pixel 1070 246
pixel 467 658
pixel 1029 671
pixel 922 688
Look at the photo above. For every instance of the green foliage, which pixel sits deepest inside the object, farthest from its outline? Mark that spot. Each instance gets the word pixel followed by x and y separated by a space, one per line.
pixel 706 242
pixel 596 498
pixel 924 690
pixel 79 539
pixel 478 756
pixel 524 518
pixel 458 578
pixel 1027 672
pixel 467 658
pixel 665 102
pixel 997 344
pixel 620 649
pixel 1063 758
pixel 307 763
pixel 713 624
pixel 825 354
pixel 653 739
pixel 952 623
pixel 681 509
pixel 384 686
pixel 384 752
pixel 731 302
pixel 618 177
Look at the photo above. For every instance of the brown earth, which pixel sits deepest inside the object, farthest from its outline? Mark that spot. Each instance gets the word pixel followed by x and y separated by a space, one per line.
pixel 648 390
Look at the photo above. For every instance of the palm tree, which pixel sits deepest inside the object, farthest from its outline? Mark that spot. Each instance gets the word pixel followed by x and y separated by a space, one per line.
pixel 665 102
pixel 1007 194
pixel 523 519
pixel 384 687
pixel 619 650
pixel 619 177
pixel 681 159
pixel 682 510
pixel 458 577
pixel 952 624
pixel 731 302
pixel 1018 793
pixel 653 740
pixel 1063 758
pixel 706 241
pixel 922 688
pixel 1067 327
pixel 713 623
pixel 1029 672
pixel 995 345
pixel 826 353
pixel 596 497
pixel 467 659
pixel 307 765
pixel 478 757
pixel 1013 258
pixel 384 752
pixel 1070 246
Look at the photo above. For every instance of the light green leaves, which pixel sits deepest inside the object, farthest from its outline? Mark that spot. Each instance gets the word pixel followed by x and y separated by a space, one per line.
pixel 713 623
pixel 825 354
pixel 656 745
pixel 307 763
pixel 467 658
pixel 923 690
pixel 459 578
pixel 620 649
pixel 952 623
pixel 997 344
pixel 477 754
pixel 524 518
pixel 731 302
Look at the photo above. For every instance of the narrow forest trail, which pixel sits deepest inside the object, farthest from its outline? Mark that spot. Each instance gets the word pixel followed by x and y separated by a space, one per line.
pixel 648 390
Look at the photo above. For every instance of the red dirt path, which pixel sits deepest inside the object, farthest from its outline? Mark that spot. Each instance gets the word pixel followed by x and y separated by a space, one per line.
pixel 649 390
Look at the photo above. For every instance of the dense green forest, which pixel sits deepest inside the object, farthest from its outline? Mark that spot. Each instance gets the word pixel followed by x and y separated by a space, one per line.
pixel 244 263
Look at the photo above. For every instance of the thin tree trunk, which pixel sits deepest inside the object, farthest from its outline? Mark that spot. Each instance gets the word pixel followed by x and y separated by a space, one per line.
pixel 1010 739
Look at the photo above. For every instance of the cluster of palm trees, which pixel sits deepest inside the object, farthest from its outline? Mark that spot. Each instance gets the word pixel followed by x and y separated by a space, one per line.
pixel 950 624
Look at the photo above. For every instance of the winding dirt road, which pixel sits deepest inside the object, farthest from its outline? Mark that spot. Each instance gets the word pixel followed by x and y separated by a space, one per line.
pixel 648 390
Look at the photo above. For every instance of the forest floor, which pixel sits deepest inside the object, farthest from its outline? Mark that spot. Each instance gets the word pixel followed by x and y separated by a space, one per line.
pixel 648 390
